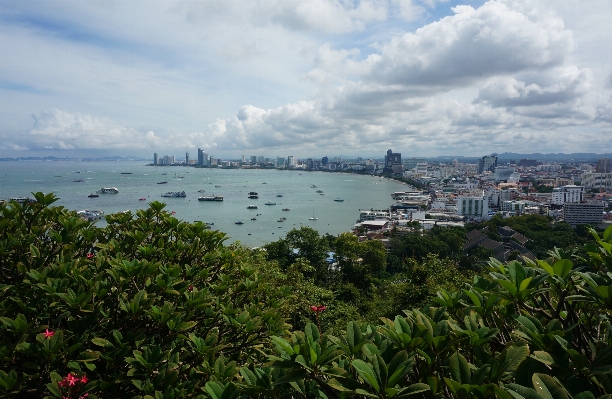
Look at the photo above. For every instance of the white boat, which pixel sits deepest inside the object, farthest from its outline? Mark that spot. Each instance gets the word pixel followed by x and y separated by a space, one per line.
pixel 107 190
pixel 211 198
pixel 313 217
pixel 90 215
pixel 175 194
pixel 270 203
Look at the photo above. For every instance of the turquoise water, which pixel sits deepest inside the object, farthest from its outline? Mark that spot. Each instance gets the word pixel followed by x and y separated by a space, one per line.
pixel 358 192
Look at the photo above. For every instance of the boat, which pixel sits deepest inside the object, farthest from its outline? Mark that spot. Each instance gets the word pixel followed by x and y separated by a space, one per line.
pixel 93 195
pixel 252 207
pixel 286 209
pixel 142 199
pixel 210 198
pixel 107 190
pixel 313 186
pixel 252 193
pixel 253 218
pixel 78 181
pixel 270 203
pixel 175 194
pixel 339 200
pixel 163 182
pixel 201 191
pixel 126 173
pixel 313 217
pixel 281 219
pixel 253 197
pixel 90 215
pixel 239 222
pixel 319 191
pixel 21 200
pixel 279 195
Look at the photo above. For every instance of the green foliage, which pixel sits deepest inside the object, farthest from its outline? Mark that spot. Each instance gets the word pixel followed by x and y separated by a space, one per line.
pixel 148 306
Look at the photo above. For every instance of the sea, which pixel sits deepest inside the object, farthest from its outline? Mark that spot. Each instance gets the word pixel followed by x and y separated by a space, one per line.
pixel 295 190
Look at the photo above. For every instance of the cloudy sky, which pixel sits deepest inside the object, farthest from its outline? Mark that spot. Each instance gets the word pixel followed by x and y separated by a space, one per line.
pixel 305 77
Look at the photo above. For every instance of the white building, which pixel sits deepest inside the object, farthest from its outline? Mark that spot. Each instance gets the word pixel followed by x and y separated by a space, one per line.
pixel 548 168
pixel 597 180
pixel 570 193
pixel 583 212
pixel 503 173
pixel 515 206
pixel 476 207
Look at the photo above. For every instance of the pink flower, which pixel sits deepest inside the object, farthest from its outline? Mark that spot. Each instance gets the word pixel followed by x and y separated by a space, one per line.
pixel 90 255
pixel 318 309
pixel 48 333
pixel 72 380
pixel 84 396
pixel 84 379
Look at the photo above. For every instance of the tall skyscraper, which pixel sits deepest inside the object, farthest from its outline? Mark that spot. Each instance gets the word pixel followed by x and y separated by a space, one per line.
pixel 155 161
pixel 603 166
pixel 324 161
pixel 200 157
pixel 187 158
pixel 488 163
pixel 393 162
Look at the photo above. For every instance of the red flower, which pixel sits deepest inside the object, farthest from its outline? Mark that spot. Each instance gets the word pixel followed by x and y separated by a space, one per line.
pixel 48 333
pixel 318 309
pixel 190 288
pixel 90 255
pixel 84 379
pixel 84 396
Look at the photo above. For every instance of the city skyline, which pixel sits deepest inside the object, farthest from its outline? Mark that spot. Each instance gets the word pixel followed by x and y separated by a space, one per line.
pixel 424 77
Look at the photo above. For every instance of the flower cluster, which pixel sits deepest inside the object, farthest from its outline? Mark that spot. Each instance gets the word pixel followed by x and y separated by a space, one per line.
pixel 318 309
pixel 71 385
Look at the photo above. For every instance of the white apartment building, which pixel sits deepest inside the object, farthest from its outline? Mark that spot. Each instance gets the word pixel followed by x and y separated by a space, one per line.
pixel 570 193
pixel 583 212
pixel 597 180
pixel 476 207
pixel 548 168
pixel 373 215
pixel 515 206
pixel 503 173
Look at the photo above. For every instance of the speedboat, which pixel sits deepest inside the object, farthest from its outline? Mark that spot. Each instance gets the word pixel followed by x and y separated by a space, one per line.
pixel 239 222
pixel 163 182
pixel 93 195
pixel 279 195
pixel 285 209
pixel 339 200
pixel 252 207
pixel 142 199
pixel 107 190
pixel 253 218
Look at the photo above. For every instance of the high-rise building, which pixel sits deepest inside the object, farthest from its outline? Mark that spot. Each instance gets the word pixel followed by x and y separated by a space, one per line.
pixel 186 158
pixel 603 166
pixel 565 194
pixel 200 157
pixel 393 162
pixel 475 207
pixel 260 160
pixel 324 161
pixel 488 163
pixel 291 161
pixel 155 161
pixel 280 162
pixel 583 212
pixel 253 159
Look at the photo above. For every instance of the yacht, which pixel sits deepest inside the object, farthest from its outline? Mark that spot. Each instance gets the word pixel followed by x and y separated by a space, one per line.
pixel 252 207
pixel 239 222
pixel 252 193
pixel 279 195
pixel 93 195
pixel 21 200
pixel 253 196
pixel 90 215
pixel 211 198
pixel 107 190
pixel 281 219
pixel 270 203
pixel 175 194
pixel 313 217
pixel 339 200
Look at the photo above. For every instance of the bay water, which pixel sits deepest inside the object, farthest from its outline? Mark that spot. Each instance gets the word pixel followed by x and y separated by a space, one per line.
pixel 72 182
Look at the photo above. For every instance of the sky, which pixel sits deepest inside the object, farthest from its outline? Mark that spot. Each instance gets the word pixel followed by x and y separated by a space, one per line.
pixel 306 78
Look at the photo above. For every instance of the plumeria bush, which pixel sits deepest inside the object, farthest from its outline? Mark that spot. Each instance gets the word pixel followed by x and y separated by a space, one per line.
pixel 148 306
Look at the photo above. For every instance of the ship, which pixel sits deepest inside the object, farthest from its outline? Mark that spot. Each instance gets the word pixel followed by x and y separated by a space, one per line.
pixel 210 198
pixel 252 207
pixel 175 194
pixel 107 190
